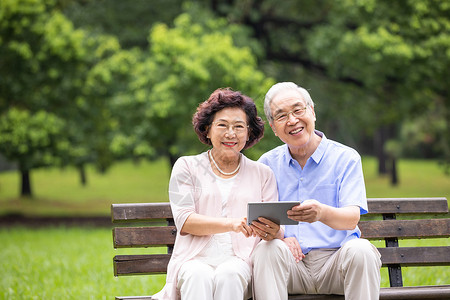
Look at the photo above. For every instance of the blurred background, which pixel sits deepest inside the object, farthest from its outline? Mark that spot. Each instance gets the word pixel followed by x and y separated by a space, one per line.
pixel 96 101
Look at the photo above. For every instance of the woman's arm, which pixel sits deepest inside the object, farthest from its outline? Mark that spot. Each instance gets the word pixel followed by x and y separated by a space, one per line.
pixel 197 224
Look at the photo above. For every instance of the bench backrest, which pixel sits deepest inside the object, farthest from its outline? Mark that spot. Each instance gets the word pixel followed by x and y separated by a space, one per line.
pixel 418 218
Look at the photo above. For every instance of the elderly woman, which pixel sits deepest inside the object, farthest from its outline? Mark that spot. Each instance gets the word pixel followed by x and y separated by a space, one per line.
pixel 208 195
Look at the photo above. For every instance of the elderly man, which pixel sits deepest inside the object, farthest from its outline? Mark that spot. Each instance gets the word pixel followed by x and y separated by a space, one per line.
pixel 324 253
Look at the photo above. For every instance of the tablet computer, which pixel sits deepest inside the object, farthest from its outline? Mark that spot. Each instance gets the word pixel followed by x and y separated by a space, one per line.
pixel 274 211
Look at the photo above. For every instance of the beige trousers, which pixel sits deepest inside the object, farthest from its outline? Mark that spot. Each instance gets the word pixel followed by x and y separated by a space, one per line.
pixel 352 270
pixel 230 279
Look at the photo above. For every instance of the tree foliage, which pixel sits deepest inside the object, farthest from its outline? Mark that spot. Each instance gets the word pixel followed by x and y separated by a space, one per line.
pixel 96 81
pixel 181 67
pixel 47 65
pixel 395 53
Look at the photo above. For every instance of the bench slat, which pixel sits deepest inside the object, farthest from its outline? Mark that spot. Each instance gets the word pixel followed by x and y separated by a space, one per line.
pixel 134 298
pixel 151 211
pixel 140 264
pixel 143 236
pixel 416 292
pixel 405 256
pixel 165 235
pixel 407 292
pixel 140 212
pixel 431 228
pixel 416 256
pixel 407 205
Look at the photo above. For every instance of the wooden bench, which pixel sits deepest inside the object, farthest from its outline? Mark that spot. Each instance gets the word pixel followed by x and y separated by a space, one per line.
pixel 389 219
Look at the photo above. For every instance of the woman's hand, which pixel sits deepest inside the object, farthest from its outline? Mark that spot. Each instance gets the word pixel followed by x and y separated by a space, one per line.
pixel 266 229
pixel 295 248
pixel 240 226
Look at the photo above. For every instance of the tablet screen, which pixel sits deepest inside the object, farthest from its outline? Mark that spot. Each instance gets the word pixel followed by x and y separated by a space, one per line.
pixel 274 211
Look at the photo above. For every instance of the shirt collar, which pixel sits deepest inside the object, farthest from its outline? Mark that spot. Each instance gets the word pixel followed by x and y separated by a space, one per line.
pixel 316 156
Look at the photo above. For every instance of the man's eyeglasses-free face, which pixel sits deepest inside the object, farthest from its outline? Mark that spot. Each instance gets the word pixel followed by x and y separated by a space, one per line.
pixel 283 116
pixel 223 127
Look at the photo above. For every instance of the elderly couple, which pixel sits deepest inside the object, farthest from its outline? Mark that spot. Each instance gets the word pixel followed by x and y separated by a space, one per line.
pixel 218 256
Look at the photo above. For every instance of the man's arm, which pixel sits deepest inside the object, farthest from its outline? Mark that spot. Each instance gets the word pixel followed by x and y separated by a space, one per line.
pixel 344 218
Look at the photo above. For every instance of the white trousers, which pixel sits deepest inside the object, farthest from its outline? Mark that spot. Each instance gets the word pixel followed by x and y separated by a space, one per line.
pixel 230 279
pixel 352 270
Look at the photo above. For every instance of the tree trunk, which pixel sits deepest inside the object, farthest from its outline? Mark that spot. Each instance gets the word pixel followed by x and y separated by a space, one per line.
pixel 379 141
pixel 26 184
pixel 172 159
pixel 83 177
pixel 394 175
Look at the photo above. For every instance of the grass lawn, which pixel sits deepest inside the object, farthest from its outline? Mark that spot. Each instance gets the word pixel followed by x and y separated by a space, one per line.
pixel 76 263
pixel 59 192
pixel 66 263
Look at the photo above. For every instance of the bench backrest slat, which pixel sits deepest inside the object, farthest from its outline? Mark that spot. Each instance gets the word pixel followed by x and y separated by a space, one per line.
pixel 153 211
pixel 412 256
pixel 128 237
pixel 140 212
pixel 416 256
pixel 140 264
pixel 407 205
pixel 125 237
pixel 430 228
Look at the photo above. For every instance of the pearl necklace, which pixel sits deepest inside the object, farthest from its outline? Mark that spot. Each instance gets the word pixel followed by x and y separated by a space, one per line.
pixel 217 167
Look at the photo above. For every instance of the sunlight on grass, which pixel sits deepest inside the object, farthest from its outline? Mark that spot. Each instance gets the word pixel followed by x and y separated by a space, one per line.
pixel 418 178
pixel 66 263
pixel 59 192
pixel 76 263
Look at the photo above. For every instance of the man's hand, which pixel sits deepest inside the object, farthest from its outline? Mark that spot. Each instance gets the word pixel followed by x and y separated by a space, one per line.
pixel 308 211
pixel 265 229
pixel 342 218
pixel 295 248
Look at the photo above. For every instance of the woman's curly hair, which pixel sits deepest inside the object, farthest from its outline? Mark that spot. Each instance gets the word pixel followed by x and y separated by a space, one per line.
pixel 226 98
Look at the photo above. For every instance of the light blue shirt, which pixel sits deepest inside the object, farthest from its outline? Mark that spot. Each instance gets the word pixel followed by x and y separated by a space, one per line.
pixel 332 175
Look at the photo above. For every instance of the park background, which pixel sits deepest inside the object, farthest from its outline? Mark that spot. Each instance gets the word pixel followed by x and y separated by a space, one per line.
pixel 96 100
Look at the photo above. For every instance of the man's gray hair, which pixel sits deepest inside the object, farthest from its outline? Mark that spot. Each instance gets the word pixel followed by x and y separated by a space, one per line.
pixel 282 86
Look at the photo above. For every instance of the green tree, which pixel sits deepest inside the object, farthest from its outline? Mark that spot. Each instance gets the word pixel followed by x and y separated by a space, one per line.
pixel 40 63
pixel 183 65
pixel 32 140
pixel 393 56
pixel 48 65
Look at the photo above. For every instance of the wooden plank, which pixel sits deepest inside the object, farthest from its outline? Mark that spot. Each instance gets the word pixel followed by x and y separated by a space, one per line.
pixel 140 264
pixel 158 236
pixel 416 292
pixel 151 211
pixel 134 298
pixel 405 256
pixel 140 212
pixel 416 256
pixel 407 205
pixel 315 297
pixel 431 228
pixel 408 292
pixel 128 237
